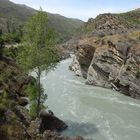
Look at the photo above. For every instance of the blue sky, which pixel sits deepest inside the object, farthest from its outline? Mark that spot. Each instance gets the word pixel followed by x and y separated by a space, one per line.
pixel 82 9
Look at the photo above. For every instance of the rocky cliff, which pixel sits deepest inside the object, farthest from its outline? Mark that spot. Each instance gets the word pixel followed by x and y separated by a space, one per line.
pixel 110 56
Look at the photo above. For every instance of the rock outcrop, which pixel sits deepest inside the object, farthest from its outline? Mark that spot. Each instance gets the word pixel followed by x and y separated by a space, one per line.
pixel 75 66
pixel 112 61
pixel 82 60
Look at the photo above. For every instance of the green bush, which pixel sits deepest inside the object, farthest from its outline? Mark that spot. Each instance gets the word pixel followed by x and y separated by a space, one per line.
pixel 5 104
pixel 32 92
pixel 11 52
pixel 12 38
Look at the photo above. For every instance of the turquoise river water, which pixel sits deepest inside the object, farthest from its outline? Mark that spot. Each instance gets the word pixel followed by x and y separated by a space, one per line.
pixel 91 112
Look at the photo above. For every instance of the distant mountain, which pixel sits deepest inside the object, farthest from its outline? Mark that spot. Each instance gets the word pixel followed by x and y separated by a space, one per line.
pixel 14 15
pixel 66 27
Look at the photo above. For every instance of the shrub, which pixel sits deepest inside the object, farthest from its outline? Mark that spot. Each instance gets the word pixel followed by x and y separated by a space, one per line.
pixel 5 101
pixel 12 38
pixel 11 52
pixel 32 92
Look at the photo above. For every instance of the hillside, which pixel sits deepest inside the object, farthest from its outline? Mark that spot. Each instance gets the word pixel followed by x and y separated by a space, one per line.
pixel 66 27
pixel 132 17
pixel 13 16
pixel 109 23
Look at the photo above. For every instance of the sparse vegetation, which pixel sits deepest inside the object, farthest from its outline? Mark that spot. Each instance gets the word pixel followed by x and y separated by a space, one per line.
pixel 5 102
pixel 132 17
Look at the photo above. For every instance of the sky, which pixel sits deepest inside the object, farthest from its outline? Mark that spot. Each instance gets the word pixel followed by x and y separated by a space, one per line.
pixel 82 9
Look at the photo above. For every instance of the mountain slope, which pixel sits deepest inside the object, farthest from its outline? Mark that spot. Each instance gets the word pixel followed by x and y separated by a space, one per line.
pixel 132 17
pixel 13 15
pixel 66 27
pixel 112 23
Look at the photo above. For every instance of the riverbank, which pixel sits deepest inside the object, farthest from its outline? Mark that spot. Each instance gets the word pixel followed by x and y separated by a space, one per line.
pixel 15 120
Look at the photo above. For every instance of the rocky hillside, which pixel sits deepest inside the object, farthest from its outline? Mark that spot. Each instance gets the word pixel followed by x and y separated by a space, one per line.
pixel 14 117
pixel 132 17
pixel 109 56
pixel 15 121
pixel 112 23
pixel 13 16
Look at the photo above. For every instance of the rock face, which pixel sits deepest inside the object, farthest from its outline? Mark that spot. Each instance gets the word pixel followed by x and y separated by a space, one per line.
pixel 112 61
pixel 75 66
pixel 82 60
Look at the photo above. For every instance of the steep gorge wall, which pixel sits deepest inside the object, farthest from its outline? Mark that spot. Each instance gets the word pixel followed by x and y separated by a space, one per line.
pixel 111 62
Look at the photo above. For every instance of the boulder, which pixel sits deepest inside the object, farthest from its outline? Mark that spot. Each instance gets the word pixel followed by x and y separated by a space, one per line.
pixel 51 122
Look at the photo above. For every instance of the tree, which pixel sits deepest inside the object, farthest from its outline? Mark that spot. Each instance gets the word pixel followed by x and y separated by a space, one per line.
pixel 39 53
pixel 8 25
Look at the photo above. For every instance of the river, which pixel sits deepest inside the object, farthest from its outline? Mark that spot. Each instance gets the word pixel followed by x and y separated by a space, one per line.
pixel 91 112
